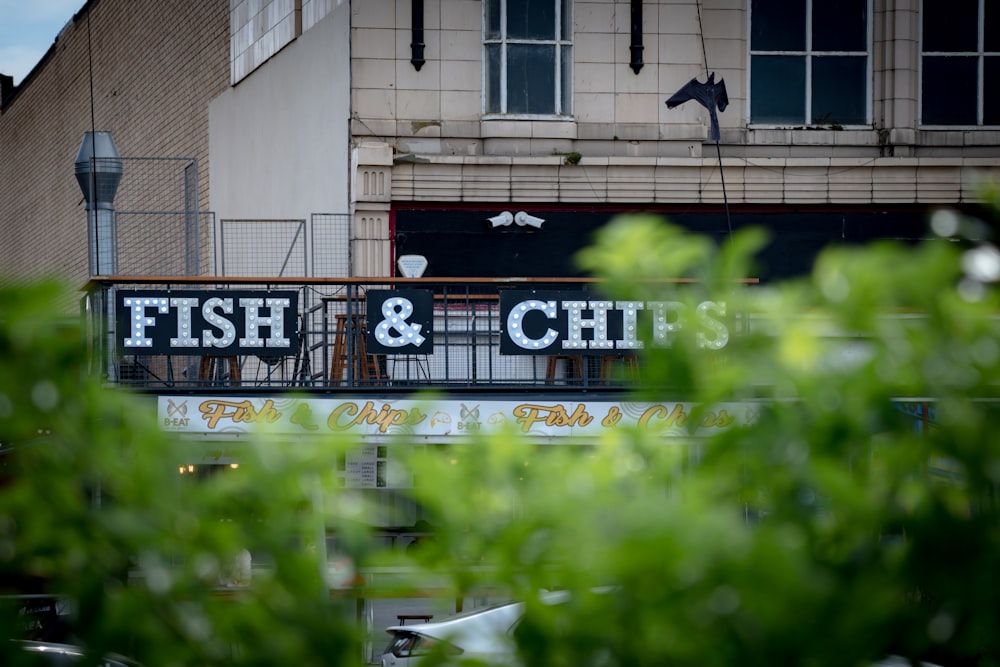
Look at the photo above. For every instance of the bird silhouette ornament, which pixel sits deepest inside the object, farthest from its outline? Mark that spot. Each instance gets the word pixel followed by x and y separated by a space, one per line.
pixel 710 95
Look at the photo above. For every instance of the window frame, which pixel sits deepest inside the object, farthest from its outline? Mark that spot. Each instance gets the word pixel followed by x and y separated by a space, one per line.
pixel 980 55
pixel 809 54
pixel 562 44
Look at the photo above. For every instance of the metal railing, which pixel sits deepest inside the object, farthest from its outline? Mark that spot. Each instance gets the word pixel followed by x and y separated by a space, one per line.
pixel 338 336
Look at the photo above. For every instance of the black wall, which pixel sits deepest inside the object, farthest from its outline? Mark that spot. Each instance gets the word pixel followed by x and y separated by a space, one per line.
pixel 460 243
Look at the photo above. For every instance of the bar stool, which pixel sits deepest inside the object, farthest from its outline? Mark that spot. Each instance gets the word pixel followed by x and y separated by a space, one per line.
pixel 573 364
pixel 610 361
pixel 211 367
pixel 365 366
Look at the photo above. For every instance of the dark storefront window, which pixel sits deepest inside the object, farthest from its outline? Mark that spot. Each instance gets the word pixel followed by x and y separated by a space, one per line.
pixel 462 243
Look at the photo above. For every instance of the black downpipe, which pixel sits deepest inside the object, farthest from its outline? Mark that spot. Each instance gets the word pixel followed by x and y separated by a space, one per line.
pixel 636 46
pixel 417 44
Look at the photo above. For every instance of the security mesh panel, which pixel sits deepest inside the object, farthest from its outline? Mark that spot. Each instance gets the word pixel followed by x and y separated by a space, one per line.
pixel 262 248
pixel 158 228
pixel 329 236
pixel 192 230
pixel 160 244
pixel 331 244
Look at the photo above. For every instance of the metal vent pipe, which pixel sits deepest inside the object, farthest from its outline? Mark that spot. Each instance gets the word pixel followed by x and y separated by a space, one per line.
pixel 99 171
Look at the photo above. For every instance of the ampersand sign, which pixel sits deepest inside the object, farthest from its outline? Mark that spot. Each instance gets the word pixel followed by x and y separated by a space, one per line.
pixel 403 319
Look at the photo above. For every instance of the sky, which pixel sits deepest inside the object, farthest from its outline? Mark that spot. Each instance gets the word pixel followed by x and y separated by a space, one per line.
pixel 27 30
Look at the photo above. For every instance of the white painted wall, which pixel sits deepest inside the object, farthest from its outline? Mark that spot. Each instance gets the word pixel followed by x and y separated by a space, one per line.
pixel 279 140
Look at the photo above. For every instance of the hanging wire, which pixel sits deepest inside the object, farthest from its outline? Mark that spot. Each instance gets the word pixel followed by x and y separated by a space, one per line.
pixel 90 72
pixel 718 148
pixel 95 264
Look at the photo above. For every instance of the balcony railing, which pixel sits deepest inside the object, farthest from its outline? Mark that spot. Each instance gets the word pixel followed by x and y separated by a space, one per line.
pixel 181 334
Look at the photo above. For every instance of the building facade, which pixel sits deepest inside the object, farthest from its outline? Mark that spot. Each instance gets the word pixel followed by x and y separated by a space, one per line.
pixel 422 119
pixel 840 124
pixel 284 155
pixel 280 157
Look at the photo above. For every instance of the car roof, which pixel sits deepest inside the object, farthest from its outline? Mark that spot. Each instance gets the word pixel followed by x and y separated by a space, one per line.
pixel 69 654
pixel 484 630
pixel 480 631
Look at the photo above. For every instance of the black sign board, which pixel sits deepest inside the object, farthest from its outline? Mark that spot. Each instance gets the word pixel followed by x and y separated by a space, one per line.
pixel 207 323
pixel 557 322
pixel 565 322
pixel 400 321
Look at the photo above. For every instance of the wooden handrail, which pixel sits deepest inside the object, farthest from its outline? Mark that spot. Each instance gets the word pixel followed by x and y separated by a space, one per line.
pixel 97 281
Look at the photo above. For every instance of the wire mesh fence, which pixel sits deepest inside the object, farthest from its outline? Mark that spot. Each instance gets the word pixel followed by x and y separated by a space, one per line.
pixel 158 226
pixel 317 247
pixel 331 246
pixel 262 248
pixel 160 244
pixel 159 230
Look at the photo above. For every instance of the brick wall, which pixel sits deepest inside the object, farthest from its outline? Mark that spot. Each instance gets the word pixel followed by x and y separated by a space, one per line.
pixel 155 67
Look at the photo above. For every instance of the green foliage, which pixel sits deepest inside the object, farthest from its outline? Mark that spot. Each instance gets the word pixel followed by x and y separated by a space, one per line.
pixel 571 158
pixel 832 529
pixel 92 508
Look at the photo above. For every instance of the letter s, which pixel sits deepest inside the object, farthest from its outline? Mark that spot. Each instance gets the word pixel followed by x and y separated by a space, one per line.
pixel 720 332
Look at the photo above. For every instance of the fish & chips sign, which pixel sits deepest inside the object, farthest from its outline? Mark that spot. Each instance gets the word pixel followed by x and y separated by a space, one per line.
pixel 402 322
pixel 550 322
pixel 199 323
pixel 442 418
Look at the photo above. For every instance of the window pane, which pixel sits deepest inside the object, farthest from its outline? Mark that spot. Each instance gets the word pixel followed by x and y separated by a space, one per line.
pixel 991 27
pixel 493 78
pixel 839 90
pixel 840 25
pixel 777 85
pixel 567 81
pixel 991 91
pixel 492 19
pixel 948 91
pixel 778 25
pixel 567 20
pixel 531 19
pixel 951 25
pixel 531 85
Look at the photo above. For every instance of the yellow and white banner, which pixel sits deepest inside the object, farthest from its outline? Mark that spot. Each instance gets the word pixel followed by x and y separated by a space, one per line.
pixel 441 418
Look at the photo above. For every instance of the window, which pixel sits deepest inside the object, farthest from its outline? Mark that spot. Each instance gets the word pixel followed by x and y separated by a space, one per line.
pixel 809 62
pixel 960 62
pixel 529 54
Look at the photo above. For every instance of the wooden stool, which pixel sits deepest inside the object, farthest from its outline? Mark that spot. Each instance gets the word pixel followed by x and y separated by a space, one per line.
pixel 574 367
pixel 365 366
pixel 609 361
pixel 208 366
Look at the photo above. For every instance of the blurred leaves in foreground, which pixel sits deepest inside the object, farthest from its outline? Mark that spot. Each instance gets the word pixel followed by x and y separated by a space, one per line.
pixel 853 516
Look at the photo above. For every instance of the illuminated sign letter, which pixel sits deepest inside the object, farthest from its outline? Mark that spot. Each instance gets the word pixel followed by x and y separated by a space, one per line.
pixel 212 318
pixel 630 312
pixel 598 323
pixel 276 322
pixel 663 325
pixel 138 320
pixel 184 337
pixel 401 321
pixel 515 324
pixel 720 334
